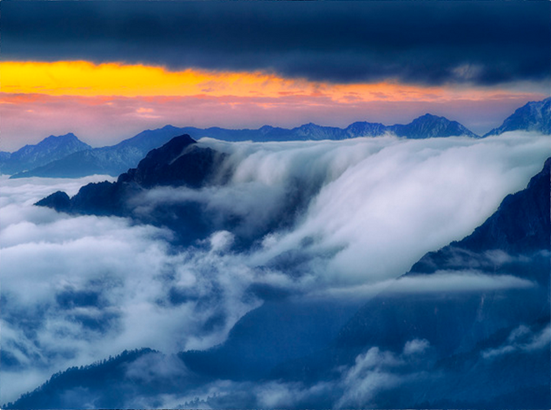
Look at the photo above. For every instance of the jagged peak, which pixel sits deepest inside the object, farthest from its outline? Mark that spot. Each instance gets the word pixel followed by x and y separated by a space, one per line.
pixel 169 127
pixel 68 135
pixel 363 123
pixel 57 138
pixel 532 116
pixel 432 117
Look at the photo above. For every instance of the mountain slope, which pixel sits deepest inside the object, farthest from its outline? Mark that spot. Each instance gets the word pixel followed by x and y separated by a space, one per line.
pixel 521 225
pixel 33 156
pixel 111 383
pixel 534 116
pixel 514 238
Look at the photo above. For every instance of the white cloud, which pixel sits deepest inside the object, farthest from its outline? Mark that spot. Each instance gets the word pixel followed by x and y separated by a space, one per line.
pixel 221 241
pixel 355 386
pixel 416 346
pixel 91 286
pixel 522 339
pixel 458 281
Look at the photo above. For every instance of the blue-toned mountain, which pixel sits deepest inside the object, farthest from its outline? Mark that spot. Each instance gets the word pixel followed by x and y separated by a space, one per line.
pixel 431 126
pixel 33 156
pixel 534 116
pixel 114 160
pixel 181 162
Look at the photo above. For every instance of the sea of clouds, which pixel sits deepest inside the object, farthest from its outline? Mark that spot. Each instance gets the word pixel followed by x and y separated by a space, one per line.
pixel 77 289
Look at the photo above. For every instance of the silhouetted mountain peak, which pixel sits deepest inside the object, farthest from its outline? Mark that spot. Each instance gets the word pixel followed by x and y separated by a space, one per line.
pixel 308 128
pixel 266 129
pixel 180 162
pixel 67 137
pixel 428 116
pixel 169 127
pixel 54 141
pixel 169 151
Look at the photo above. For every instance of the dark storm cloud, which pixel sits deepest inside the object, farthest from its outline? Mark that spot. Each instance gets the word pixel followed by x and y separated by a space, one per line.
pixel 431 43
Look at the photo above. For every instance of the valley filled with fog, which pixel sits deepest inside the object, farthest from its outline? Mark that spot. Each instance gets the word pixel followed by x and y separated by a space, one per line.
pixel 321 222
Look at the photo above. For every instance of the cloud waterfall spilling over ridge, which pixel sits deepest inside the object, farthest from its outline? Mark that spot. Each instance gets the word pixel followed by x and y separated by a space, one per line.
pixel 78 289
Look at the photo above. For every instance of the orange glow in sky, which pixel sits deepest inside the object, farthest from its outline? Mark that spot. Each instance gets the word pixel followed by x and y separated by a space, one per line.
pixel 81 78
pixel 104 102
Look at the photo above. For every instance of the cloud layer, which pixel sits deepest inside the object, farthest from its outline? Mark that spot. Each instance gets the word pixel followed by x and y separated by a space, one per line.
pixel 76 289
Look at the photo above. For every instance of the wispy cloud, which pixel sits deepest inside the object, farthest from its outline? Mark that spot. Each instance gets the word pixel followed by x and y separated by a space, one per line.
pixel 522 339
pixel 95 286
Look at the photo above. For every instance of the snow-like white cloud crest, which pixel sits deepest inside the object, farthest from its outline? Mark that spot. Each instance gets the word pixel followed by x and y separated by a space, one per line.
pixel 76 289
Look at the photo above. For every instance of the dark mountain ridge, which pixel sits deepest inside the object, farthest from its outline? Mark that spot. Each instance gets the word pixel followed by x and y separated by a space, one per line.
pixel 177 163
pixel 521 225
pixel 112 160
pixel 431 126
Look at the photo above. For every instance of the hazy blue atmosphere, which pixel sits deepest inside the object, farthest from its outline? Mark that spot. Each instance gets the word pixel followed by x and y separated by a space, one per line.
pixel 291 205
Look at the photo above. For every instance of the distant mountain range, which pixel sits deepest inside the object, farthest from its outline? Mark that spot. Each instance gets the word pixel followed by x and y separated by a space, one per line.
pixel 67 157
pixel 111 160
pixel 118 158
pixel 33 156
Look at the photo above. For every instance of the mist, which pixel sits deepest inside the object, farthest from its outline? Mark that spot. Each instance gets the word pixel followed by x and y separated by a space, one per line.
pixel 77 289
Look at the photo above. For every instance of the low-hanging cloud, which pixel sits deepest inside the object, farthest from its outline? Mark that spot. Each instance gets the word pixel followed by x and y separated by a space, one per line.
pixel 76 289
pixel 382 203
pixel 457 281
pixel 355 386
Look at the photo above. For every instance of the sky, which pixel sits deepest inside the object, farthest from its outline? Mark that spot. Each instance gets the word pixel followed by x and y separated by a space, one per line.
pixel 108 70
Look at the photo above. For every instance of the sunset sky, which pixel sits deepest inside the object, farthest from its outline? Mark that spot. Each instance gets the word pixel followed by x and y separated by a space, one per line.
pixel 108 70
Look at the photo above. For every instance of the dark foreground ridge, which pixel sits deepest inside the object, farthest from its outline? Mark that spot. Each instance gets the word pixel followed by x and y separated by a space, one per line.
pixel 177 163
pixel 468 333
